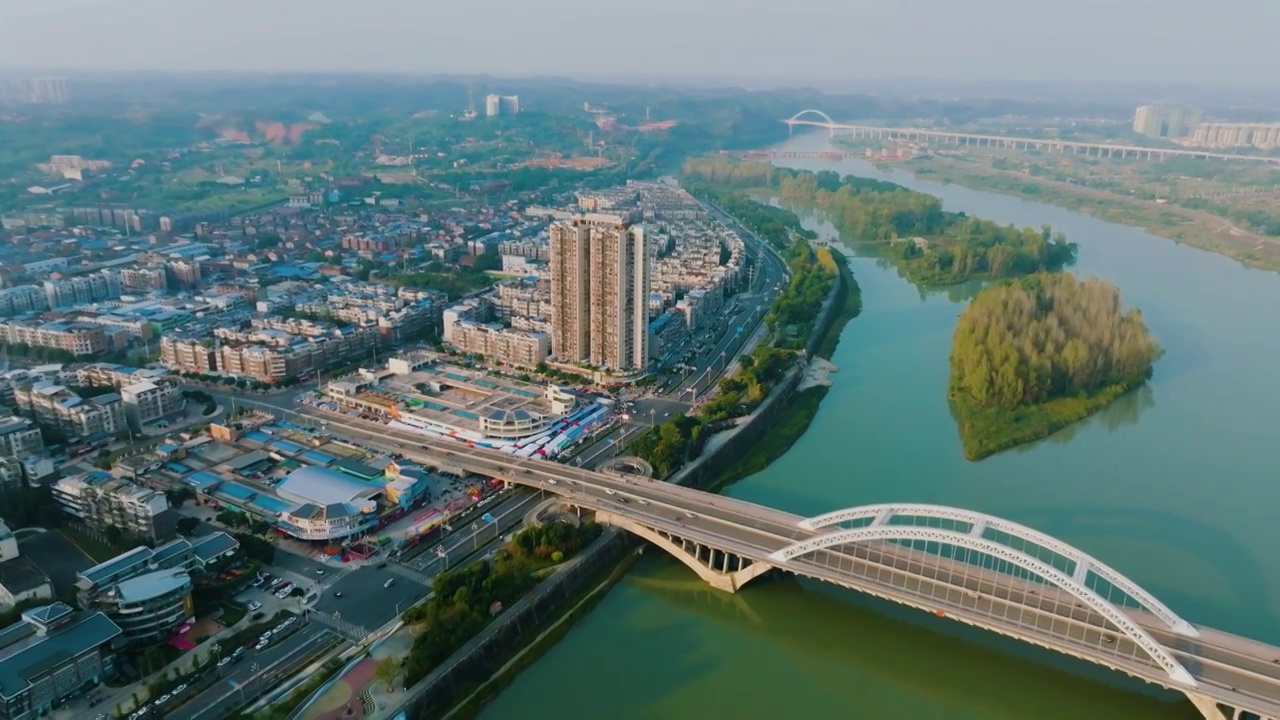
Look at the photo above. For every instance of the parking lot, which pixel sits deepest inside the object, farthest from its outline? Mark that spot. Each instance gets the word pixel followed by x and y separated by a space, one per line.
pixel 365 601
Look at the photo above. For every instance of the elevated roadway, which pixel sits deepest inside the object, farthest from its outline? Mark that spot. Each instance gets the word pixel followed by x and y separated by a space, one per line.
pixel 947 137
pixel 728 542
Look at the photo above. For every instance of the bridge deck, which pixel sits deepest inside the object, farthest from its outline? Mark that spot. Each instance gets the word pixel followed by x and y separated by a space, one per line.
pixel 1230 669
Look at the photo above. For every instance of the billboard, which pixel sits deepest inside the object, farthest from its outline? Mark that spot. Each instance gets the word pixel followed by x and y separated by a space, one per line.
pixel 426 522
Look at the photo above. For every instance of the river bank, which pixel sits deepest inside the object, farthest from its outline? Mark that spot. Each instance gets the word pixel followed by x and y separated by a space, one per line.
pixel 1168 484
pixel 453 690
pixel 1195 228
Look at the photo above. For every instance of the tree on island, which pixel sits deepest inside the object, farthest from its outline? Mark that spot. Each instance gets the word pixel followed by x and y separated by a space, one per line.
pixel 1032 356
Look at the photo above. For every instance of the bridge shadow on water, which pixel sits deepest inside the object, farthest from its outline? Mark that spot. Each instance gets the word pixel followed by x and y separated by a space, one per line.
pixel 871 652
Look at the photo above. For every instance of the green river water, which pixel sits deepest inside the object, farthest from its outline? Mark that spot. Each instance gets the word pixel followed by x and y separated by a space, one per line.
pixel 1175 485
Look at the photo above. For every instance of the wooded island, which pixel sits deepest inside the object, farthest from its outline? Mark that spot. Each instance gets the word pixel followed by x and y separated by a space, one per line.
pixel 1032 356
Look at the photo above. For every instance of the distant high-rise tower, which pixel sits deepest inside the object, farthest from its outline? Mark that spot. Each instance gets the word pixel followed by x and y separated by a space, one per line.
pixel 492 105
pixel 1148 119
pixel 50 91
pixel 599 294
pixel 510 104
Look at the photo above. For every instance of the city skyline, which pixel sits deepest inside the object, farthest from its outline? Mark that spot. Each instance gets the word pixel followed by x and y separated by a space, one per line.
pixel 985 40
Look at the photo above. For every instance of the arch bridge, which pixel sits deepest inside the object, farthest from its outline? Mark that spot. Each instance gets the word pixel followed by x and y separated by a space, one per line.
pixel 933 136
pixel 971 567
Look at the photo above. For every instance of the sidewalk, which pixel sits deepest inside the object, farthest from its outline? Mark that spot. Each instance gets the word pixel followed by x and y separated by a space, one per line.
pixel 358 693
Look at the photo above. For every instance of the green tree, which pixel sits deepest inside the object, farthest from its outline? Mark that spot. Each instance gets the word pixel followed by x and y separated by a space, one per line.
pixel 386 671
pixel 187 525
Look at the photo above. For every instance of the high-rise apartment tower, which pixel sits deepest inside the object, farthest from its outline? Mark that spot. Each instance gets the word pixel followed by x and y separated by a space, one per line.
pixel 599 293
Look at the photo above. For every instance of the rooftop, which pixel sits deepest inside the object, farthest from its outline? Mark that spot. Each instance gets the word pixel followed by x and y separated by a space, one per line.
pixel 25 654
pixel 322 486
pixel 213 545
pixel 151 585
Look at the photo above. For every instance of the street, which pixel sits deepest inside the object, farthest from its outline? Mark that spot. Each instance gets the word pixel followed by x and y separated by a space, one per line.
pixel 255 672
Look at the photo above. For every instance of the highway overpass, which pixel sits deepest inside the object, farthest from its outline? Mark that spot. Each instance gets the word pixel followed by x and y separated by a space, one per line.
pixel 973 568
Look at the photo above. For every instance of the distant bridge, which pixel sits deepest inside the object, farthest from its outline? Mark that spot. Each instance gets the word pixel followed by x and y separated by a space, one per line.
pixel 1009 142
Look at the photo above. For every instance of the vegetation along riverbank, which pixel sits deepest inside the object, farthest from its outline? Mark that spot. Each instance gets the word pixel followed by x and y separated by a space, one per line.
pixel 1196 222
pixel 928 246
pixel 1032 356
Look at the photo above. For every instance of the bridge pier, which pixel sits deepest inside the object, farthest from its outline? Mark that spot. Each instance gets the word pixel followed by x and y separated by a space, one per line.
pixel 721 570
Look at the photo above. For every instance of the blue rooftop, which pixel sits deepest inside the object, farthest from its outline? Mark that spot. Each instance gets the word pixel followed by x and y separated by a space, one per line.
pixel 317 457
pixel 202 480
pixel 287 447
pixel 257 436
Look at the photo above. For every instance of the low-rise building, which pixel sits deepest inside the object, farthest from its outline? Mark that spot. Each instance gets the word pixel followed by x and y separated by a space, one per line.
pixel 503 346
pixel 78 338
pixel 19 437
pixel 148 402
pixel 59 408
pixel 20 579
pixel 53 653
pixel 99 500
pixel 149 608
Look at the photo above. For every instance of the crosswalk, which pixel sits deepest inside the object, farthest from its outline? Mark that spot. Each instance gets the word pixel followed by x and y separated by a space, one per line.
pixel 409 573
pixel 349 630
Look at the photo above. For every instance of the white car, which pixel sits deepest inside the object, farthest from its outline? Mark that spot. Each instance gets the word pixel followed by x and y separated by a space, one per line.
pixel 388 583
pixel 261 644
pixel 163 699
pixel 255 606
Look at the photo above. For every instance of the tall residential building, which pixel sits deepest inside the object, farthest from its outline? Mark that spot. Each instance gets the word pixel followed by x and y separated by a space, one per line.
pixel 50 91
pixel 570 290
pixel 510 104
pixel 1160 121
pixel 492 105
pixel 1264 136
pixel 1147 120
pixel 599 294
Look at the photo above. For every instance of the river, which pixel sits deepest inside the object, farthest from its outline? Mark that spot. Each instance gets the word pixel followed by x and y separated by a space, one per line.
pixel 1176 486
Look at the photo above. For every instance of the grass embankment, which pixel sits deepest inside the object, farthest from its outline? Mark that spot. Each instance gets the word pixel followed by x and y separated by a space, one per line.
pixel 1196 228
pixel 988 430
pixel 795 418
pixel 549 632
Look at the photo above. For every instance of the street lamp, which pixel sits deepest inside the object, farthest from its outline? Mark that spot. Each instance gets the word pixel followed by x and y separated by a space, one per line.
pixel 475 536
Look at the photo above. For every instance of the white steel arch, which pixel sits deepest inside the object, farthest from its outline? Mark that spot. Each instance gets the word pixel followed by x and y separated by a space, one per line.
pixel 1177 673
pixel 1083 561
pixel 819 113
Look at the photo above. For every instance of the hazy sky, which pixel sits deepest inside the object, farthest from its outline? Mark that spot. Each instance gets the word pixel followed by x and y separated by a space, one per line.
pixel 1198 41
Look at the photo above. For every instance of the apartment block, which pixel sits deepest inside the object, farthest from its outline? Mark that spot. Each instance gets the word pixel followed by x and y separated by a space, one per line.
pixel 189 354
pixel 19 437
pixel 22 299
pixel 99 500
pixel 55 406
pixel 148 402
pixel 77 338
pixel 83 289
pixel 144 279
pixel 599 293
pixel 502 345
